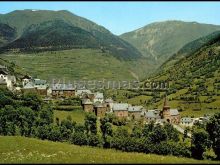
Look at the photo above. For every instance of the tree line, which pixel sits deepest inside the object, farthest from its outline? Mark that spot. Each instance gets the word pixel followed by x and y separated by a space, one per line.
pixel 27 115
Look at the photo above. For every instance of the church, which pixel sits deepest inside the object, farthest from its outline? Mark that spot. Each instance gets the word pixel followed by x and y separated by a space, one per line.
pixel 170 115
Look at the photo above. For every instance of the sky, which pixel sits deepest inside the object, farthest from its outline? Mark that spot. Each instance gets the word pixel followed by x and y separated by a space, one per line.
pixel 120 17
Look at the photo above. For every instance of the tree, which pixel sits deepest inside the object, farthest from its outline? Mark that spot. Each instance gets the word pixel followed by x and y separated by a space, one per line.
pixel 32 100
pixel 26 120
pixel 79 138
pixel 148 128
pixel 54 133
pixel 90 123
pixel 199 143
pixel 45 116
pixel 172 133
pixel 158 134
pixel 213 128
pixel 136 132
pixel 94 140
pixel 106 129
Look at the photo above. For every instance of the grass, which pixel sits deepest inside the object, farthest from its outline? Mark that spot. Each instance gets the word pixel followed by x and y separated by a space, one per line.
pixel 77 115
pixel 77 64
pixel 28 150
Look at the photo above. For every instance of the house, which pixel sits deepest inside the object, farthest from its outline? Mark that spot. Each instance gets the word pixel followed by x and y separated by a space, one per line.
pixel 98 97
pixel 170 115
pixel 26 79
pixel 63 90
pixel 120 110
pixel 29 88
pixel 10 80
pixel 42 89
pixel 152 115
pixel 109 104
pixel 82 92
pixel 187 121
pixel 87 105
pixel 100 109
pixel 3 83
pixel 37 86
pixel 135 111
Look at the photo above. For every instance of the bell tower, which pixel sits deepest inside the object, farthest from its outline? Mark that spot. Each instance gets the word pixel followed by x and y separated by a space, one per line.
pixel 166 110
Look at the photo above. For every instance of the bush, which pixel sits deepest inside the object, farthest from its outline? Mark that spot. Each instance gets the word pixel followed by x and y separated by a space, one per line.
pixel 94 140
pixel 79 138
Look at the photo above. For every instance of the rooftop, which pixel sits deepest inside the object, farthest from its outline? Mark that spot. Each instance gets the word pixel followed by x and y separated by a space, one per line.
pixel 120 106
pixel 174 112
pixel 39 82
pixel 62 87
pixel 135 108
pixel 86 101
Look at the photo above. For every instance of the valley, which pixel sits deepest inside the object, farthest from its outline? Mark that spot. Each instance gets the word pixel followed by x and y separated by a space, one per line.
pixel 107 125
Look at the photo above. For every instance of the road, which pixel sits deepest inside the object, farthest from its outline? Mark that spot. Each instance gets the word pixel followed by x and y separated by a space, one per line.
pixel 181 130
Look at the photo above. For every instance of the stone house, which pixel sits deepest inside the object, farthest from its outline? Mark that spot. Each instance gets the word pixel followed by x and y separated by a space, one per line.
pixel 87 105
pixel 63 90
pixel 98 97
pixel 100 109
pixel 29 88
pixel 152 115
pixel 120 110
pixel 3 83
pixel 26 79
pixel 82 92
pixel 187 121
pixel 109 104
pixel 10 80
pixel 134 112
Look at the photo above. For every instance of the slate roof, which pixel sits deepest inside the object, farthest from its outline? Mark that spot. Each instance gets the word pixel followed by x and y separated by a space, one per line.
pixel 81 91
pixel 42 87
pixel 3 72
pixel 109 100
pixel 39 82
pixel 98 95
pixel 152 114
pixel 29 85
pixel 98 104
pixel 86 101
pixel 174 112
pixel 135 108
pixel 63 87
pixel 120 106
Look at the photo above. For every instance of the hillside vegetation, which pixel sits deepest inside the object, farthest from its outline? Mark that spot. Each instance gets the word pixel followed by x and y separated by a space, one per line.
pixel 195 78
pixel 78 64
pixel 7 34
pixel 160 40
pixel 29 150
pixel 59 30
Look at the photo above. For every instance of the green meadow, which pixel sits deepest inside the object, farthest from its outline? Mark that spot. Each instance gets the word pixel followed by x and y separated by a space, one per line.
pixel 28 150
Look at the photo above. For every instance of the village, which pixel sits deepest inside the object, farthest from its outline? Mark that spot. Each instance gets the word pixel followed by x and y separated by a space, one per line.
pixel 95 101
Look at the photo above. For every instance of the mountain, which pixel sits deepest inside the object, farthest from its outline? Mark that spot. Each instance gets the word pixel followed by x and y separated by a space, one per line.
pixel 159 41
pixel 50 26
pixel 7 34
pixel 194 77
pixel 189 49
pixel 54 33
pixel 197 59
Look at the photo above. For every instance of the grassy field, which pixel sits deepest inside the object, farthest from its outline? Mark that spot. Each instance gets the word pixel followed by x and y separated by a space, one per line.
pixel 29 150
pixel 78 64
pixel 77 115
